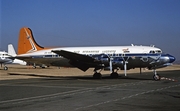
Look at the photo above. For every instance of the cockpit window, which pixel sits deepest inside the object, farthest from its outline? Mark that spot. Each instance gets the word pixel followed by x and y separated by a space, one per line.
pixel 152 52
pixel 155 51
pixel 158 51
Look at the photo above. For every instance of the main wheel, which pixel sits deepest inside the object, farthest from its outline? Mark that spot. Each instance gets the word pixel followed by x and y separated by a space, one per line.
pixel 114 75
pixel 97 75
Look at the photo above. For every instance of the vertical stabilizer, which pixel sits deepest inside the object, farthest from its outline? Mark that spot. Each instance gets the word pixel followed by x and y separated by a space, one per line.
pixel 11 50
pixel 27 43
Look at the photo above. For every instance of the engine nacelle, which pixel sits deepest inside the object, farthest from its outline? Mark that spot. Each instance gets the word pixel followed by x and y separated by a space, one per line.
pixel 118 61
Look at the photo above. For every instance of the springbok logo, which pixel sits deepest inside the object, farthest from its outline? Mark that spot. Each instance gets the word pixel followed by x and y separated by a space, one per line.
pixel 31 42
pixel 125 50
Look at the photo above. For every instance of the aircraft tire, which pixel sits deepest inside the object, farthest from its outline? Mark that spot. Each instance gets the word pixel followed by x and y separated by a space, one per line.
pixel 157 77
pixel 5 68
pixel 97 76
pixel 114 75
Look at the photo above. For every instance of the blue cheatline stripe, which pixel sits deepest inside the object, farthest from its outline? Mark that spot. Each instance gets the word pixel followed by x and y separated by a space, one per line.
pixel 112 55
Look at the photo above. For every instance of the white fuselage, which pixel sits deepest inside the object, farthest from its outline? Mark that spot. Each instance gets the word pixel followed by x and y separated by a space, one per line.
pixel 98 50
pixel 137 56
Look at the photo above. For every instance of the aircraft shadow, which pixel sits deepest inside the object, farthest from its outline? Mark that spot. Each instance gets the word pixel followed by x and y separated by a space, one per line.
pixel 104 77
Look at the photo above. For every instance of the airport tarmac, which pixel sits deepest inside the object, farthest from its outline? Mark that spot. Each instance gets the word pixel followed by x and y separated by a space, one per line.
pixel 24 89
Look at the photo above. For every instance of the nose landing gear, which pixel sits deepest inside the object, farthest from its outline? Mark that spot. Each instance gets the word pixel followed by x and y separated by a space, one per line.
pixel 156 76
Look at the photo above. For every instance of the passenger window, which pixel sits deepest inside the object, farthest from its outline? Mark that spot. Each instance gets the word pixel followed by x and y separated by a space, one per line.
pixel 158 51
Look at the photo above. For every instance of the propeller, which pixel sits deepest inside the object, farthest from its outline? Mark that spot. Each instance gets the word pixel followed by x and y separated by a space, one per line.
pixel 125 65
pixel 125 68
pixel 110 65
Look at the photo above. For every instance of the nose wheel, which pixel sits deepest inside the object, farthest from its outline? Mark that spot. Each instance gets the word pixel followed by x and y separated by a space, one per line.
pixel 156 76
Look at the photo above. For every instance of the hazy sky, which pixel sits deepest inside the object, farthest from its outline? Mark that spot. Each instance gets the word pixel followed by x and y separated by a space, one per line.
pixel 93 22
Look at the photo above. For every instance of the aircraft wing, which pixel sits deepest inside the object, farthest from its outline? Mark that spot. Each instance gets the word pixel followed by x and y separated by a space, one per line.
pixel 74 56
pixel 80 61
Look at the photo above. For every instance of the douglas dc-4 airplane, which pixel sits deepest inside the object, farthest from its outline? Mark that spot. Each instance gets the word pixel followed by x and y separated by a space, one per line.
pixel 112 58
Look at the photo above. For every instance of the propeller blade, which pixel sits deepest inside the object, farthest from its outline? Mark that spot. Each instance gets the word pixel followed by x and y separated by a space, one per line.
pixel 125 68
pixel 110 65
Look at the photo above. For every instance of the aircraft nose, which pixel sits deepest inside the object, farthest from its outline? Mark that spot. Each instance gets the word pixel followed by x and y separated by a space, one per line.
pixel 171 58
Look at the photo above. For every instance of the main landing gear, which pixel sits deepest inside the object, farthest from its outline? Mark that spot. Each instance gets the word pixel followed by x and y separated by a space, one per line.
pixel 5 67
pixel 114 74
pixel 98 75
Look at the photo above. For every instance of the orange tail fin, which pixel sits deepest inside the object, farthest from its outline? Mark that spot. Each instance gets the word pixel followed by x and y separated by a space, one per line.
pixel 27 43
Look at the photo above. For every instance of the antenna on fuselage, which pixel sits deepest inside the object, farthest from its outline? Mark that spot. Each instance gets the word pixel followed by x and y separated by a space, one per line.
pixel 152 45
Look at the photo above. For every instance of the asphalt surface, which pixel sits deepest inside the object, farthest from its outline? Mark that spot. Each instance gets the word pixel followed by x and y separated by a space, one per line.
pixel 83 93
